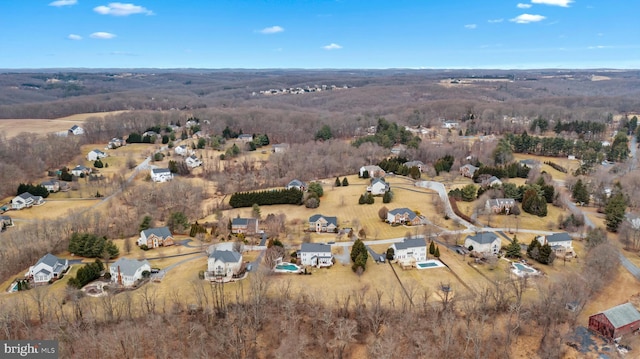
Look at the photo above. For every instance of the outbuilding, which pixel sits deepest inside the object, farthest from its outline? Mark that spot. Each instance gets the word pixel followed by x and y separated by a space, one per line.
pixel 615 322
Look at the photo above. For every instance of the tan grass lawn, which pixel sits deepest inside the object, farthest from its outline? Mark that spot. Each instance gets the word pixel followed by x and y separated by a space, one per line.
pixel 54 208
pixel 570 165
pixel 12 127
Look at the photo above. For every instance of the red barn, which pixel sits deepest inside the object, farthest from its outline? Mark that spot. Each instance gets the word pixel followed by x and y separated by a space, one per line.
pixel 615 322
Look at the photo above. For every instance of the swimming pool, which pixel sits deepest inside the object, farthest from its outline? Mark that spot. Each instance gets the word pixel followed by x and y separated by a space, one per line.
pixel 431 263
pixel 287 267
pixel 523 268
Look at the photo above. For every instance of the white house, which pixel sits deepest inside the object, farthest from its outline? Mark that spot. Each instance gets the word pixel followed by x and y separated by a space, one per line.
pixel 320 223
pixel 315 254
pixel 79 170
pixel 76 130
pixel 378 187
pixel 47 268
pixel 95 154
pixel 115 143
pixel 245 137
pixel 297 184
pixel 492 181
pixel 561 243
pixel 161 175
pixel 126 272
pixel 450 125
pixel 410 251
pixel 224 264
pixel 193 161
pixel 156 237
pixel 484 242
pixel 26 200
pixel 372 171
pixel 280 147
pixel 51 185
pixel 182 150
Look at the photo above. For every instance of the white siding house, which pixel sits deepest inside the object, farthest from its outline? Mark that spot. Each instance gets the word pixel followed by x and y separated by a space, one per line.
pixel 127 272
pixel 26 200
pixel 223 265
pixel 485 242
pixel 410 251
pixel 161 175
pixel 95 154
pixel 315 254
pixel 47 268
pixel 561 243
pixel 193 161
pixel 378 187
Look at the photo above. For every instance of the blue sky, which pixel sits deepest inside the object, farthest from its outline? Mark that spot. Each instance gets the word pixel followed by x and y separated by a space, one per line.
pixel 320 34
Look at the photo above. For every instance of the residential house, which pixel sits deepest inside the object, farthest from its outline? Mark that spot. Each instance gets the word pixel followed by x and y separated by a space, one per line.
pixel 244 225
pixel 320 223
pixel 616 322
pixel 315 254
pixel 223 265
pixel 297 184
pixel 500 205
pixel 150 134
pixel 404 216
pixel 76 130
pixel 161 175
pixel 468 170
pixel 398 148
pixel 378 187
pixel 492 181
pixel 156 237
pixel 245 138
pixel 531 163
pixel 193 161
pixel 51 185
pixel 126 272
pixel 421 166
pixel 410 251
pixel 26 200
pixel 280 147
pixel 561 243
pixel 95 154
pixel 80 170
pixel 115 143
pixel 483 242
pixel 47 268
pixel 372 171
pixel 450 125
pixel 182 150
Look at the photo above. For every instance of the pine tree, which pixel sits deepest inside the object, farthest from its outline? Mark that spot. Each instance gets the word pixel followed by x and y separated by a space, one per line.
pixel 436 253
pixel 345 182
pixel 513 249
pixel 432 248
pixel 338 183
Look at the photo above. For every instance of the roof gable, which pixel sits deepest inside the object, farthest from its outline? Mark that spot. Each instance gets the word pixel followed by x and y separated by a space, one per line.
pixel 559 237
pixel 315 248
pixel 128 267
pixel 397 211
pixel 411 243
pixel 330 220
pixel 622 315
pixel 226 256
pixel 484 237
pixel 162 232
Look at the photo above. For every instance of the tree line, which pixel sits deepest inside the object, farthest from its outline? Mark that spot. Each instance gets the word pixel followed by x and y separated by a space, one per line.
pixel 277 196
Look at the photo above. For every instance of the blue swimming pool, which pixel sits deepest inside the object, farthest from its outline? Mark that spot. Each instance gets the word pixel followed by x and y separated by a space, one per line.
pixel 523 268
pixel 287 267
pixel 427 265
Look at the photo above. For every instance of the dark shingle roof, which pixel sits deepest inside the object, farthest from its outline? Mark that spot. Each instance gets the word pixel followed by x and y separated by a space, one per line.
pixel 315 247
pixel 162 232
pixel 559 237
pixel 160 170
pixel 226 256
pixel 330 220
pixel 403 210
pixel 484 237
pixel 411 243
pixel 622 315
pixel 128 266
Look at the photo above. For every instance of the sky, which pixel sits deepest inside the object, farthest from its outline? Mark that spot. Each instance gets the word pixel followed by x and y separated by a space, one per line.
pixel 322 34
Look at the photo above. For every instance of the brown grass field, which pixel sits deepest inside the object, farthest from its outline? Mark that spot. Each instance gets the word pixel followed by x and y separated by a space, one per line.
pixel 12 127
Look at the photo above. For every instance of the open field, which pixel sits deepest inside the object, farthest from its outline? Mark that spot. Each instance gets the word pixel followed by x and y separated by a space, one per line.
pixel 12 127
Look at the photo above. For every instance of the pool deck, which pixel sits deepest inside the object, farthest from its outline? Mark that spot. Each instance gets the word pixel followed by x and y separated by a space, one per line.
pixel 283 270
pixel 433 264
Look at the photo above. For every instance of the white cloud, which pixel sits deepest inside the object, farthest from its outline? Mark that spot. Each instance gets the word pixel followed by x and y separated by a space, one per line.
pixel 563 3
pixel 74 37
pixel 527 18
pixel 102 35
pixel 120 9
pixel 59 3
pixel 470 26
pixel 332 46
pixel 495 21
pixel 523 6
pixel 272 30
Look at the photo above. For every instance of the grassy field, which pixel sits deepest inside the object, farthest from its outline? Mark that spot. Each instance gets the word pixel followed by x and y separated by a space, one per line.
pixel 12 127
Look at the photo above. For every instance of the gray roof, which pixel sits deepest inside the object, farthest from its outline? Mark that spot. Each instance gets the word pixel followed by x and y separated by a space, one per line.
pixel 160 170
pixel 242 221
pixel 502 202
pixel 622 315
pixel 315 247
pixel 27 195
pixel 80 167
pixel 98 152
pixel 414 164
pixel 162 232
pixel 403 210
pixel 226 256
pixel 529 162
pixel 330 220
pixel 48 183
pixel 128 266
pixel 411 243
pixel 380 180
pixel 484 237
pixel 559 237
pixel 296 183
pixel 53 262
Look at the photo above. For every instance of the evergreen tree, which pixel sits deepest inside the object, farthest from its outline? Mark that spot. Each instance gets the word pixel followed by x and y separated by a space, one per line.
pixel 386 198
pixel 436 253
pixel 513 249
pixel 98 163
pixel 359 255
pixel 345 182
pixel 533 249
pixel 338 183
pixel 316 187
pixel 614 211
pixel 370 199
pixel 390 253
pixel 432 248
pixel 146 223
pixel 580 193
